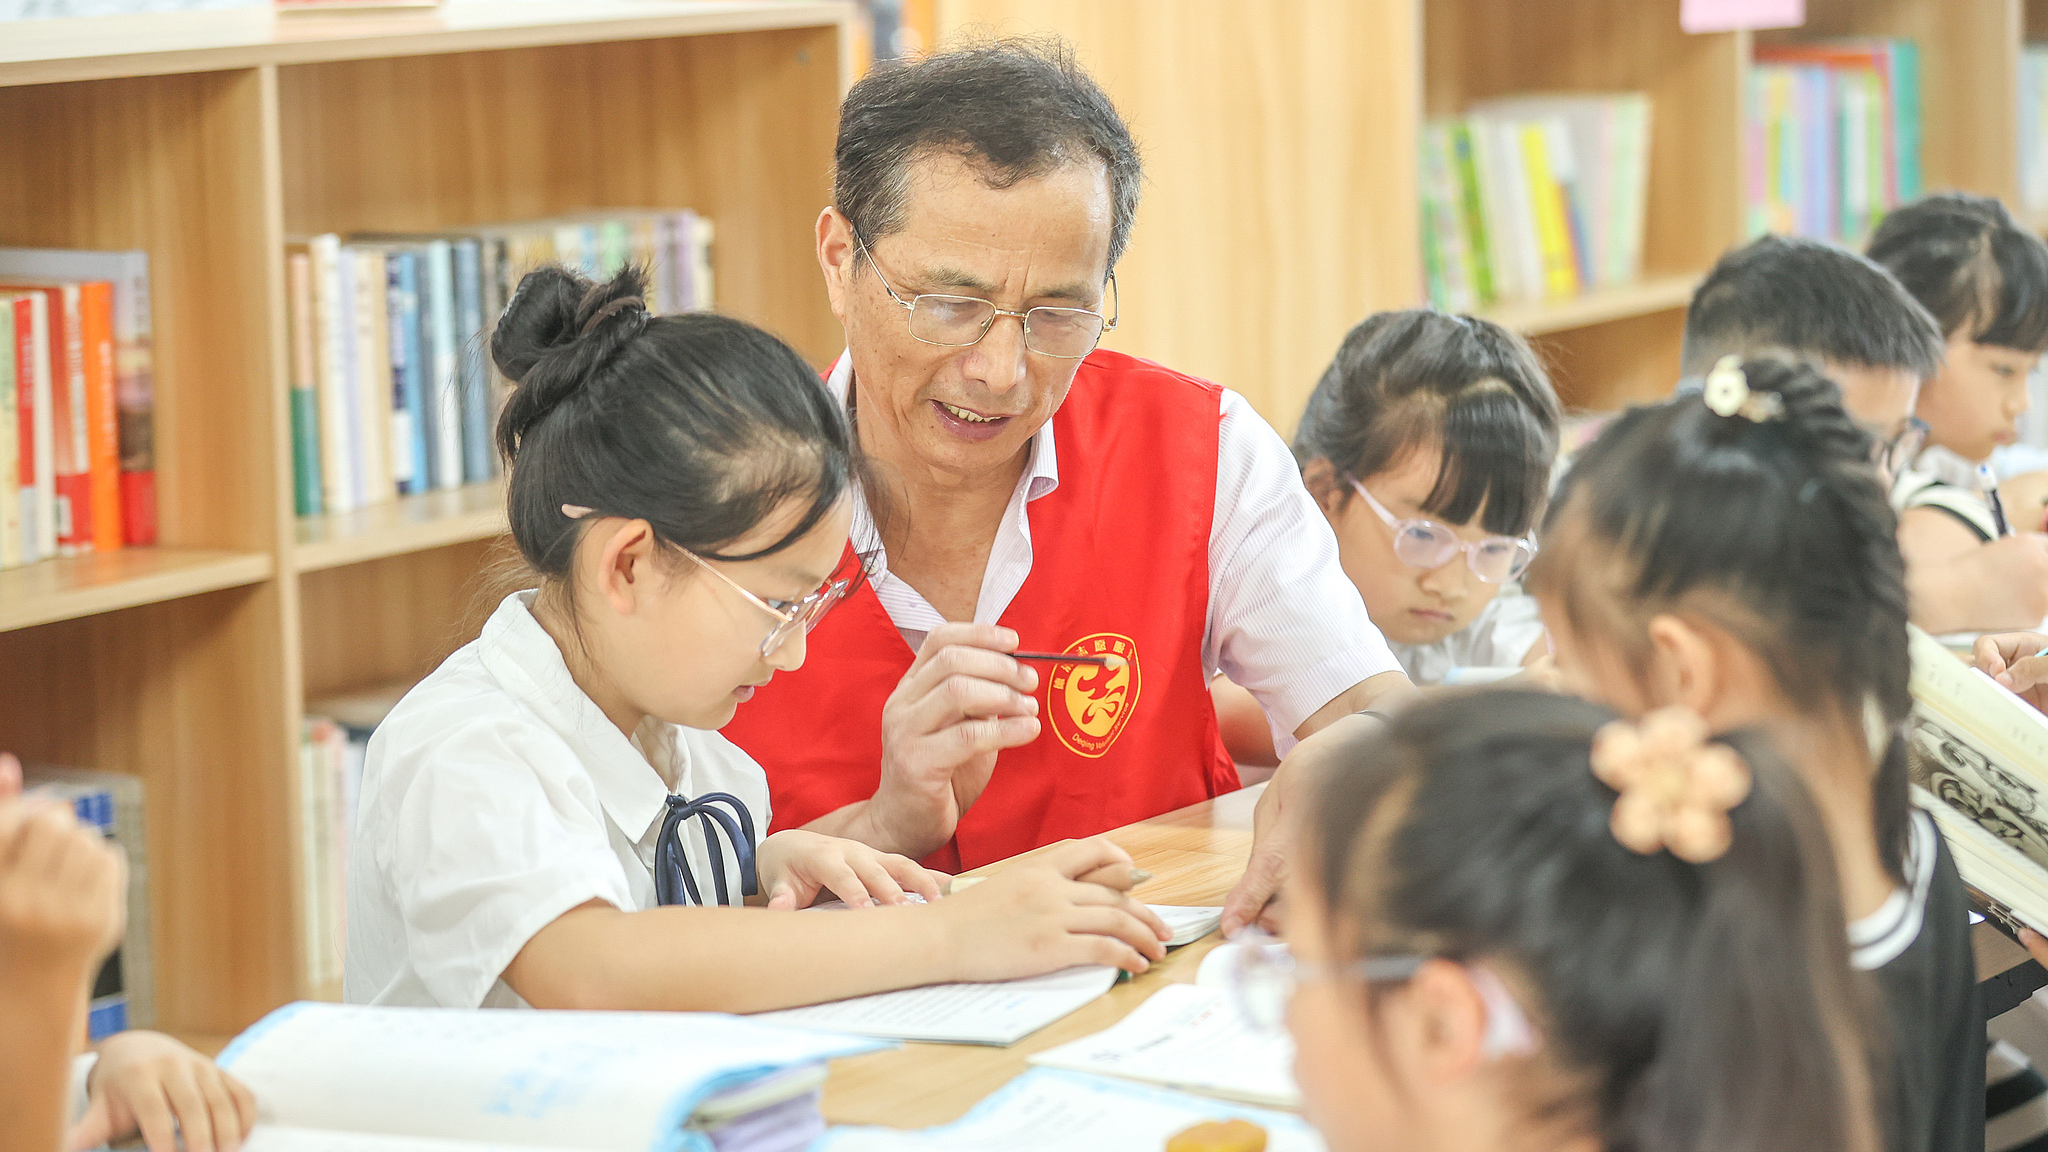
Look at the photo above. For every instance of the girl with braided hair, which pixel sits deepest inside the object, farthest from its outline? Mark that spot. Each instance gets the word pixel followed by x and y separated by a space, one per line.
pixel 1734 552
pixel 552 819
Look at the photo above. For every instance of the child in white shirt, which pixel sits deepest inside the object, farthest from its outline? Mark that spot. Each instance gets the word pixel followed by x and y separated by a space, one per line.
pixel 1984 278
pixel 550 818
pixel 1428 444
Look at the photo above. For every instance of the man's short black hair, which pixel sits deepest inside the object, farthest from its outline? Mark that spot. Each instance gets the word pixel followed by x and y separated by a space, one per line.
pixel 1016 108
pixel 1812 301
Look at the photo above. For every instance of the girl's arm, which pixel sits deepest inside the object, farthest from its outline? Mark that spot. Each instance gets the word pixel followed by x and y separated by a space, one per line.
pixel 1958 583
pixel 1242 724
pixel 1032 917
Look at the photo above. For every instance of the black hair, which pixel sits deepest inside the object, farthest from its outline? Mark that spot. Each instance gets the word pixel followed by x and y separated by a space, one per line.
pixel 1691 1007
pixel 699 424
pixel 1421 378
pixel 1809 300
pixel 1972 266
pixel 1778 531
pixel 1016 108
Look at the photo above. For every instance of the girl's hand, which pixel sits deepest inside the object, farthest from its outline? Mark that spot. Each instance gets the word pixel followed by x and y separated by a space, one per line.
pixel 796 865
pixel 62 889
pixel 2010 660
pixel 1037 917
pixel 149 1084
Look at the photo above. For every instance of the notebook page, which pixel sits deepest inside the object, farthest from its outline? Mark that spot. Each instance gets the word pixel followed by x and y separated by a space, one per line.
pixel 276 1138
pixel 609 1081
pixel 1191 1038
pixel 998 1013
pixel 1045 1108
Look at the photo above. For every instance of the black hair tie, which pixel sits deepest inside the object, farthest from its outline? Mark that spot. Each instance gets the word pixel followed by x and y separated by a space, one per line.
pixel 673 881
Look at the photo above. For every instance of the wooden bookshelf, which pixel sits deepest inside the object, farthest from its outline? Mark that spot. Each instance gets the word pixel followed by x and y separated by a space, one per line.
pixel 411 524
pixel 1280 205
pixel 206 138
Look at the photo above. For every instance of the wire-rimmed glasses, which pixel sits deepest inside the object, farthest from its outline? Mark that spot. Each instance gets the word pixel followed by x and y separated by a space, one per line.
pixel 794 616
pixel 1263 975
pixel 959 321
pixel 1427 544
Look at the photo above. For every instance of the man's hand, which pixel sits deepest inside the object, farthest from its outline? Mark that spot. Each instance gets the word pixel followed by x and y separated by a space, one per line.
pixel 797 865
pixel 150 1085
pixel 2010 659
pixel 963 700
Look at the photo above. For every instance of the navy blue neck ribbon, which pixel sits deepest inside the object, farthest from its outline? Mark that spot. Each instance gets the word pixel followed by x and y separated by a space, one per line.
pixel 673 881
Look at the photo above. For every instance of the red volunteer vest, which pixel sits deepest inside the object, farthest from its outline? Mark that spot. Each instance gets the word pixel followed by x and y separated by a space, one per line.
pixel 1119 563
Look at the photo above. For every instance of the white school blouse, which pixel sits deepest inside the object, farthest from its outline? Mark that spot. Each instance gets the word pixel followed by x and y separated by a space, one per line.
pixel 496 797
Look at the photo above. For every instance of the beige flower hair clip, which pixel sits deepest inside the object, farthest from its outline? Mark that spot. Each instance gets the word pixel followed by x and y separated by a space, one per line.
pixel 1676 788
pixel 1728 394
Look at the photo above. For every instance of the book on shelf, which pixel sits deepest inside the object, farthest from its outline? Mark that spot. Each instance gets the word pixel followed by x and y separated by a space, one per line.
pixel 123 994
pixel 354 1078
pixel 1832 136
pixel 333 742
pixel 2033 125
pixel 77 408
pixel 393 392
pixel 1978 758
pixel 1537 197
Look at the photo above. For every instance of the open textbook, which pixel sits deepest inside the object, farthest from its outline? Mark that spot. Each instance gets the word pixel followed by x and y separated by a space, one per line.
pixel 347 1078
pixel 1192 1037
pixel 1979 763
pixel 998 1013
pixel 1046 1108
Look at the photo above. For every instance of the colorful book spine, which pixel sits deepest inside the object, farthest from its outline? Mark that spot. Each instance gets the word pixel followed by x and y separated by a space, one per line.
pixel 332 337
pixel 372 356
pixel 103 427
pixel 305 392
pixel 444 354
pixel 10 449
pixel 469 329
pixel 409 435
pixel 37 392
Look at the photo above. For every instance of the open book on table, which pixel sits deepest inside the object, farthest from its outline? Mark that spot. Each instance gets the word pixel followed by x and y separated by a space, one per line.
pixel 1978 757
pixel 346 1078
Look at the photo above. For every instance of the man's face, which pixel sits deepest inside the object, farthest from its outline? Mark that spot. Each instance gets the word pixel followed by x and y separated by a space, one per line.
pixel 964 412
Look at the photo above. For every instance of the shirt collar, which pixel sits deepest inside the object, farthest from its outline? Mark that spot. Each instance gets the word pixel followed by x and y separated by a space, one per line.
pixel 1041 470
pixel 525 661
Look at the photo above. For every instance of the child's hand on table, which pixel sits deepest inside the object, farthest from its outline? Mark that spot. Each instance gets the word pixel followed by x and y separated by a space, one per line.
pixel 148 1084
pixel 1039 916
pixel 796 866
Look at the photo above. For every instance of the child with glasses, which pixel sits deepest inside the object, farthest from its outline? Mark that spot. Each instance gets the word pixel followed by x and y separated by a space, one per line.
pixel 1514 922
pixel 551 817
pixel 1428 445
pixel 1732 551
pixel 1984 278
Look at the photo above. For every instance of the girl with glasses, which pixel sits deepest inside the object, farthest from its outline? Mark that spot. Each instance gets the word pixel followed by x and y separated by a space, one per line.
pixel 551 817
pixel 1428 444
pixel 1732 551
pixel 1515 924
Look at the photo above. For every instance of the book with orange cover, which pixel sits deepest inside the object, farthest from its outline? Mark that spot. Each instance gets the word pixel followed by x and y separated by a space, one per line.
pixel 102 413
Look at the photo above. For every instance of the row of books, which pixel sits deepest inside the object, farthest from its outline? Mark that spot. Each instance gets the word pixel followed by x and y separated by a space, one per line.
pixel 1534 198
pixel 77 459
pixel 392 389
pixel 2034 126
pixel 332 745
pixel 123 994
pixel 1832 134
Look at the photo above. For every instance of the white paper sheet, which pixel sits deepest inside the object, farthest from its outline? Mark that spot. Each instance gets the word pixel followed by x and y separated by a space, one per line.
pixel 276 1138
pixel 1190 1038
pixel 1188 924
pixel 618 1081
pixel 1045 1109
pixel 1000 1013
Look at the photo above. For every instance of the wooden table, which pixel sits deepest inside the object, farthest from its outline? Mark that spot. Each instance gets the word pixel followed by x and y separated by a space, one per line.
pixel 1195 856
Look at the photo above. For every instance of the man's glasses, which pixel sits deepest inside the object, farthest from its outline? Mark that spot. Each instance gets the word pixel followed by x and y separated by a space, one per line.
pixel 959 321
pixel 794 617
pixel 1430 545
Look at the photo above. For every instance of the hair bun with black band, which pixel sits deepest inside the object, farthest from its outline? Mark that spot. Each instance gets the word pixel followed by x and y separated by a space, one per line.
pixel 560 330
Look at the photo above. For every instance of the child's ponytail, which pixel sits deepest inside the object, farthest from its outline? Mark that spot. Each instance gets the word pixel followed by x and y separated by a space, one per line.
pixel 1688 1007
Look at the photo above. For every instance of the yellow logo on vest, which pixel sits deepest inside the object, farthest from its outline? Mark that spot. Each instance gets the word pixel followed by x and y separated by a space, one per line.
pixel 1089 704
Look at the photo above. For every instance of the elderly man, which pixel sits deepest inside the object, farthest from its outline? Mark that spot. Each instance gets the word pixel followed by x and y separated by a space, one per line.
pixel 1025 490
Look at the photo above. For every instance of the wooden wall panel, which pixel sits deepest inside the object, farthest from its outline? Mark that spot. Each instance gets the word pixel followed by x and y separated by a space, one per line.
pixel 739 127
pixel 396 618
pixel 1280 200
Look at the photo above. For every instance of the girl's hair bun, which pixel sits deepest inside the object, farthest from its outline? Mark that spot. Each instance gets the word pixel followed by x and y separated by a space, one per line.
pixel 559 330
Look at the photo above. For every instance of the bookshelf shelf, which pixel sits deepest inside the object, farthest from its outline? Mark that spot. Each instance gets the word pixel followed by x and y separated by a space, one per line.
pixel 75 586
pixel 101 47
pixel 409 524
pixel 1541 318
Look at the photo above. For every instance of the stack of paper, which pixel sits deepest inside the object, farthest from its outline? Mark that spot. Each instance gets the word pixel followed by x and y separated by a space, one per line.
pixel 1048 1109
pixel 335 1078
pixel 1192 1038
